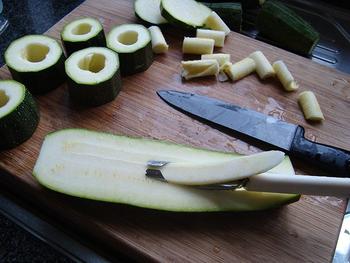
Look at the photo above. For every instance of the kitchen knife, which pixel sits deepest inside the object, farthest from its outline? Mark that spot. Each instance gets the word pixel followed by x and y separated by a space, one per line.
pixel 286 136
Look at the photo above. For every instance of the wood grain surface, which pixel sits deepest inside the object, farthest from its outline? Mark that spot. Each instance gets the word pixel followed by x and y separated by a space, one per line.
pixel 305 231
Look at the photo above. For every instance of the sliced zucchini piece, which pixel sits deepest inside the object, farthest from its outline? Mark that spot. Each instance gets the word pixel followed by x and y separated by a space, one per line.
pixel 149 11
pixel 187 14
pixel 19 115
pixel 93 76
pixel 310 107
pixel 111 168
pixel 133 44
pixel 214 22
pixel 282 25
pixel 199 68
pixel 159 44
pixel 36 61
pixel 83 33
pixel 195 45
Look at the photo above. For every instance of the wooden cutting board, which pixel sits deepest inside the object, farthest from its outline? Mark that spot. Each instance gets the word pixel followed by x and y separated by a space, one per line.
pixel 305 231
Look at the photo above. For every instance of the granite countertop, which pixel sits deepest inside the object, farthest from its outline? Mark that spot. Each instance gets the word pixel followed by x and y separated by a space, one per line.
pixel 28 17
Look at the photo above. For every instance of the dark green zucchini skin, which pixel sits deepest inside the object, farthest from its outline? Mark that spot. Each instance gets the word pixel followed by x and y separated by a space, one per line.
pixel 98 40
pixel 19 125
pixel 282 25
pixel 229 12
pixel 138 61
pixel 97 94
pixel 42 81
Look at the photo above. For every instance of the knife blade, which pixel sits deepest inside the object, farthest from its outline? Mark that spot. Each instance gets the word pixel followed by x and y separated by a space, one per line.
pixel 285 136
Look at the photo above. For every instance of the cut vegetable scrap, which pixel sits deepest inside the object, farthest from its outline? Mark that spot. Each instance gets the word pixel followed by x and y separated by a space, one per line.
pixel 214 22
pixel 222 58
pixel 199 68
pixel 310 107
pixel 159 44
pixel 199 46
pixel 240 69
pixel 284 75
pixel 217 36
pixel 263 66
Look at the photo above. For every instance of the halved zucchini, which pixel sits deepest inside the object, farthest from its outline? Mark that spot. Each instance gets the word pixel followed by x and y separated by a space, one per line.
pixel 133 44
pixel 36 61
pixel 93 75
pixel 187 14
pixel 112 168
pixel 149 11
pixel 19 115
pixel 83 33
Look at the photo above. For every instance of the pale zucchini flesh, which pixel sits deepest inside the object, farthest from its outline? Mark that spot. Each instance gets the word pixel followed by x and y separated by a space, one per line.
pixel 284 75
pixel 214 22
pixel 221 58
pixel 199 68
pixel 217 36
pixel 221 172
pixel 310 106
pixel 159 44
pixel 239 69
pixel 199 46
pixel 111 168
pixel 263 66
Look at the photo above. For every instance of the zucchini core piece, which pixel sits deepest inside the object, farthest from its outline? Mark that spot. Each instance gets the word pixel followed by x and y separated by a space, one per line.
pixel 83 33
pixel 19 115
pixel 93 76
pixel 36 61
pixel 133 44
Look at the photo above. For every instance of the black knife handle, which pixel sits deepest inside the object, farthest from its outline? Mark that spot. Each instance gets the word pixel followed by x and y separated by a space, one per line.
pixel 327 157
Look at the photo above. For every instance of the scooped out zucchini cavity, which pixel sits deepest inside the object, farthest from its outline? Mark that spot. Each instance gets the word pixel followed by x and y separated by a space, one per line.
pixel 83 33
pixel 111 168
pixel 19 115
pixel 93 76
pixel 149 11
pixel 133 44
pixel 187 14
pixel 36 61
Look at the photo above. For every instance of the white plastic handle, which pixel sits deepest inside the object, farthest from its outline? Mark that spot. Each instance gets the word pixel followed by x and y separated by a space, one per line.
pixel 300 184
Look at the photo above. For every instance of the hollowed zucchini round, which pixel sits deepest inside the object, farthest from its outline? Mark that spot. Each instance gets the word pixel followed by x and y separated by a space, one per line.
pixel 83 33
pixel 36 61
pixel 93 76
pixel 133 44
